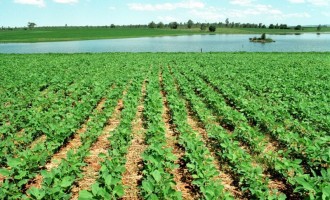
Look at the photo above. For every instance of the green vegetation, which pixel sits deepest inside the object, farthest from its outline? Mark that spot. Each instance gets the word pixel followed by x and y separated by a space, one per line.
pixel 212 28
pixel 89 33
pixel 84 33
pixel 262 39
pixel 248 125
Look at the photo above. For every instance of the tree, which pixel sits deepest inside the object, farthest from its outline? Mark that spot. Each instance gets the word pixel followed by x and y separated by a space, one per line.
pixel 212 28
pixel 227 22
pixel 160 25
pixel 283 26
pixel 152 25
pixel 190 23
pixel 203 26
pixel 232 24
pixel 263 36
pixel 298 27
pixel 112 26
pixel 31 25
pixel 271 26
pixel 319 28
pixel 173 25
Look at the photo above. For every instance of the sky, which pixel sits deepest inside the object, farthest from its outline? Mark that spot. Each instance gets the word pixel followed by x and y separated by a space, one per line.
pixel 17 13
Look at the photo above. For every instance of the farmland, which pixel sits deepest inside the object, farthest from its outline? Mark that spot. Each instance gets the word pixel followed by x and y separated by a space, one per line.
pixel 165 126
pixel 52 34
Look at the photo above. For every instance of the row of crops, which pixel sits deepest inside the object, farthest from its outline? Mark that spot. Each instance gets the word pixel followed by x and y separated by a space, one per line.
pixel 213 126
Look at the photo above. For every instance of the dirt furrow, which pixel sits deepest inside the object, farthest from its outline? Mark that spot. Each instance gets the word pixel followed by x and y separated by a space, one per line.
pixel 181 175
pixel 91 170
pixel 37 141
pixel 2 178
pixel 73 144
pixel 226 178
pixel 134 165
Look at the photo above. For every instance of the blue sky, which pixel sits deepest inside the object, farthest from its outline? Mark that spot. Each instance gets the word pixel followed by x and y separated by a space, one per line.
pixel 106 12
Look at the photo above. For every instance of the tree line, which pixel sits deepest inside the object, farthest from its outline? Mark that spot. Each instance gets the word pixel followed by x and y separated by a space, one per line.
pixel 227 24
pixel 189 25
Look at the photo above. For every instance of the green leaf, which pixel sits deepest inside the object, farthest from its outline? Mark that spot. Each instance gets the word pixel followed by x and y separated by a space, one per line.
pixel 306 185
pixel 95 189
pixel 66 181
pixel 85 195
pixel 119 190
pixel 147 186
pixel 102 155
pixel 20 175
pixel 153 197
pixel 4 172
pixel 326 192
pixel 36 193
pixel 13 162
pixel 108 180
pixel 156 175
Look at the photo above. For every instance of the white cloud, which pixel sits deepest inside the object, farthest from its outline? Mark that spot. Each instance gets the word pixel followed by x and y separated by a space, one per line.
pixel 112 8
pixel 296 1
pixel 166 6
pixel 66 1
pixel 319 2
pixel 258 9
pixel 313 2
pixel 39 3
pixel 241 2
pixel 252 11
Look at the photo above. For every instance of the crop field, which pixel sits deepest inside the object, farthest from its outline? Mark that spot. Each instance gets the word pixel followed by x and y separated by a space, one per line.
pixel 165 126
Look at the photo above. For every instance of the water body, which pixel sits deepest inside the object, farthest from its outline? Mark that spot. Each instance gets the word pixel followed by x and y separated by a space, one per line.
pixel 208 43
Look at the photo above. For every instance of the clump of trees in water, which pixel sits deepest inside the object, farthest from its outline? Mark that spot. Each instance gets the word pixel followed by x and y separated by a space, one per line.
pixel 262 39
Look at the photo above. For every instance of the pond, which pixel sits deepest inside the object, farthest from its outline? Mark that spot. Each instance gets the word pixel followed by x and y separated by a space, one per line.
pixel 194 43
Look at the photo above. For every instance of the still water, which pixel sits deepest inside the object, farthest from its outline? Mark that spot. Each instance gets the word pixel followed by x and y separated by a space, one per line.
pixel 194 43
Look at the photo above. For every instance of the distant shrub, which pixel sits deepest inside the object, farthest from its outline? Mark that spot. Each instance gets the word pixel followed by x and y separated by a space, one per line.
pixel 173 25
pixel 160 25
pixel 212 28
pixel 298 27
pixel 203 27
pixel 152 25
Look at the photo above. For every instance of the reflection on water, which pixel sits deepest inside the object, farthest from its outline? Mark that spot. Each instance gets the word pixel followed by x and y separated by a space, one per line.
pixel 194 43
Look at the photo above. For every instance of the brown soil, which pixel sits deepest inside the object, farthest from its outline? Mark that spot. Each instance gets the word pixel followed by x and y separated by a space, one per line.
pixel 226 179
pixel 272 145
pixel 2 178
pixel 73 144
pixel 61 154
pixel 100 105
pixel 91 170
pixel 36 182
pixel 181 176
pixel 37 141
pixel 133 173
pixel 20 134
pixel 276 185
